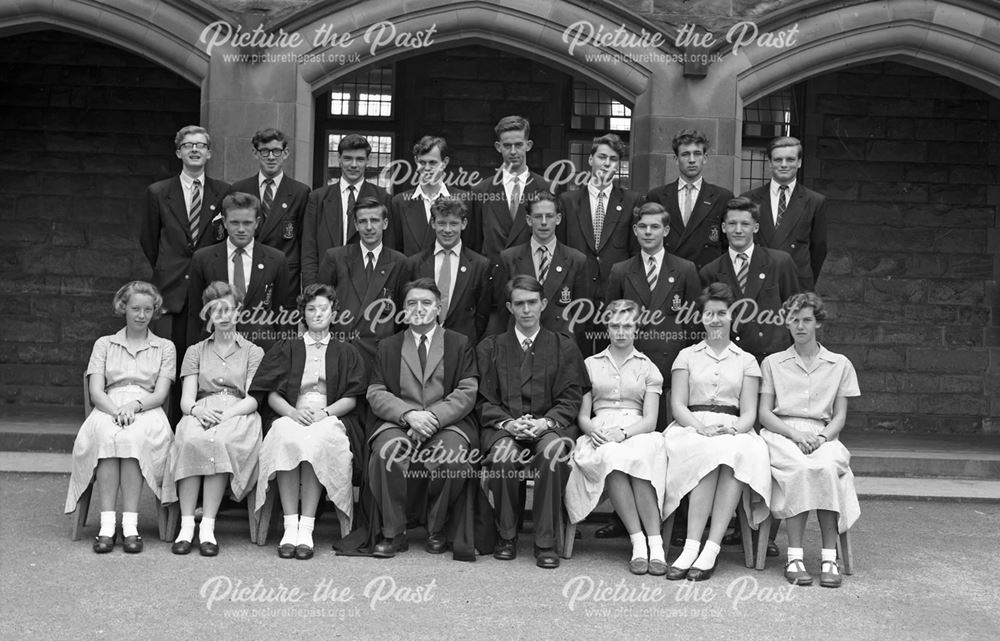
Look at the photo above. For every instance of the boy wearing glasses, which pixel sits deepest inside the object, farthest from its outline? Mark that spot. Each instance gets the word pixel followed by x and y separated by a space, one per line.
pixel 282 200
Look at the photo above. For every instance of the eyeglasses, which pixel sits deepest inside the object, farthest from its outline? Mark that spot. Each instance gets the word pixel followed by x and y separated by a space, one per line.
pixel 270 153
pixel 188 146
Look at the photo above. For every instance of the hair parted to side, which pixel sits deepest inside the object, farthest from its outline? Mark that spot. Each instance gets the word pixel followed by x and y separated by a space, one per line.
pixel 422 283
pixel 122 296
pixel 523 282
pixel 513 123
pixel 800 301
pixel 720 292
pixel 690 137
pixel 741 203
pixel 269 135
pixel 314 291
pixel 191 130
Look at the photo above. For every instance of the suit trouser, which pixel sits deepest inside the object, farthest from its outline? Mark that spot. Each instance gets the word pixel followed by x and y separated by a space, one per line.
pixel 549 462
pixel 429 488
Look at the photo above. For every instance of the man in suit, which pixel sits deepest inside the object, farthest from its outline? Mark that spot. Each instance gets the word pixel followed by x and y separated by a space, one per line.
pixel 367 277
pixel 695 206
pixel 461 274
pixel 422 394
pixel 792 218
pixel 667 287
pixel 561 270
pixel 597 221
pixel 410 212
pixel 257 273
pixel 328 220
pixel 530 389
pixel 762 280
pixel 282 200
pixel 497 219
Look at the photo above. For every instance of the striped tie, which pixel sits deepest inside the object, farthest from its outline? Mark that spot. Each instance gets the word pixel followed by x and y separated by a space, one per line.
pixel 194 214
pixel 599 219
pixel 782 204
pixel 651 274
pixel 543 263
pixel 741 271
pixel 267 200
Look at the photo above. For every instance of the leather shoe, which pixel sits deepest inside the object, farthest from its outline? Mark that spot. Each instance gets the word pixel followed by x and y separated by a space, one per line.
pixel 795 576
pixel 612 530
pixel 132 544
pixel 104 544
pixel 505 550
pixel 696 574
pixel 436 544
pixel 638 566
pixel 303 552
pixel 181 547
pixel 286 551
pixel 386 548
pixel 772 549
pixel 830 579
pixel 674 573
pixel 657 568
pixel 208 549
pixel 546 558
pixel 732 538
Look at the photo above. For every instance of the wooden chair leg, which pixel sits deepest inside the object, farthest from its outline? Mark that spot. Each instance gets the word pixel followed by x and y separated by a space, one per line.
pixel 168 520
pixel 567 551
pixel 845 553
pixel 746 534
pixel 80 515
pixel 763 534
pixel 266 511
pixel 252 516
pixel 667 533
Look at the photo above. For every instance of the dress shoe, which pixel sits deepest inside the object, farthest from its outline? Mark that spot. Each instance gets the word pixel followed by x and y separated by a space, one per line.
pixel 657 568
pixel 181 547
pixel 436 544
pixel 286 551
pixel 303 552
pixel 208 549
pixel 674 573
pixel 612 530
pixel 830 579
pixel 505 550
pixel 386 548
pixel 695 574
pixel 797 576
pixel 772 549
pixel 132 544
pixel 732 537
pixel 104 544
pixel 546 558
pixel 638 566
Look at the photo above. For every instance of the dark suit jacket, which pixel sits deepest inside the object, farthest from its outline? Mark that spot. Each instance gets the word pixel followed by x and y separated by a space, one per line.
pixel 412 233
pixel 676 293
pixel 771 279
pixel 447 387
pixel 702 240
pixel 322 225
pixel 267 291
pixel 283 227
pixel 166 239
pixel 802 233
pixel 566 281
pixel 343 268
pixel 469 308
pixel 618 242
pixel 491 228
pixel 553 387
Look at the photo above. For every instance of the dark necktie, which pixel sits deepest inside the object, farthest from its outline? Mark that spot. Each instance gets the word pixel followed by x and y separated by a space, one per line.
pixel 422 353
pixel 515 198
pixel 370 266
pixel 349 218
pixel 194 214
pixel 599 219
pixel 444 283
pixel 267 200
pixel 782 204
pixel 239 276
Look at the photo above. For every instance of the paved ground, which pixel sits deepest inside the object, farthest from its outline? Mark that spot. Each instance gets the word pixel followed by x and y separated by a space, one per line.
pixel 924 570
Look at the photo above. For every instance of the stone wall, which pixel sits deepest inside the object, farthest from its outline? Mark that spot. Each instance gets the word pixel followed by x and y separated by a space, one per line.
pixel 908 161
pixel 84 128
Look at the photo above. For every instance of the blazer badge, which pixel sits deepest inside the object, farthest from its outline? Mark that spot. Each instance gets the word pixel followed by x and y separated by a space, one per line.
pixel 268 291
pixel 675 303
pixel 713 234
pixel 220 232
pixel 288 232
pixel 565 296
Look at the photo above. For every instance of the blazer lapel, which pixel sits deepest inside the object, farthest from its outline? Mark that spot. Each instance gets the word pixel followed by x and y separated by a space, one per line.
pixel 766 231
pixel 409 354
pixel 175 198
pixel 790 218
pixel 279 205
pixel 585 217
pixel 611 214
pixel 637 276
pixel 461 282
pixel 381 274
pixel 756 272
pixel 435 352
pixel 557 273
pixel 699 210
pixel 664 285
pixel 523 262
pixel 332 215
pixel 356 272
pixel 208 209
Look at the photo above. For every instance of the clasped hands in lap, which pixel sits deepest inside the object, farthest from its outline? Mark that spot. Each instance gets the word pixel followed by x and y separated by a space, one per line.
pixel 526 428
pixel 125 413
pixel 716 430
pixel 209 418
pixel 807 442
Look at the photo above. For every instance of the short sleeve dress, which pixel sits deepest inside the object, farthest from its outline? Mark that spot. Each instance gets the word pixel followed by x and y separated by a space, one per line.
pixel 804 399
pixel 127 376
pixel 716 380
pixel 231 447
pixel 331 370
pixel 618 398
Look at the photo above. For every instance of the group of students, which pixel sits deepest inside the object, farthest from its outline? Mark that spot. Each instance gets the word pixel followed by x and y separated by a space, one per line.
pixel 440 423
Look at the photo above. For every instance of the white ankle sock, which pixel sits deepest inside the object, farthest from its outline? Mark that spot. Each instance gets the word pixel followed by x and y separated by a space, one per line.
pixel 656 548
pixel 688 554
pixel 706 560
pixel 108 522
pixel 206 531
pixel 795 554
pixel 291 529
pixel 130 524
pixel 638 545
pixel 306 525
pixel 829 555
pixel 187 529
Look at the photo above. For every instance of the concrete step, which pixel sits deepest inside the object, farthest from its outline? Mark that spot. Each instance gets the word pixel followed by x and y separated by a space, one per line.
pixel 924 455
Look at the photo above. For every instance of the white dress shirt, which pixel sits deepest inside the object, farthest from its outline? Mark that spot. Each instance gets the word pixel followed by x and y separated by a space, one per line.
pixel 775 189
pixel 247 261
pixel 427 200
pixel 187 183
pixel 456 252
